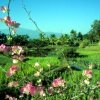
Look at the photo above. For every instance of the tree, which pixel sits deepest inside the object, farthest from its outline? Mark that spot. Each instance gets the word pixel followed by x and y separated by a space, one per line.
pixel 63 39
pixel 42 36
pixel 80 36
pixel 3 38
pixel 20 40
pixel 73 35
pixel 96 27
pixel 91 37
pixel 73 39
pixel 53 39
pixel 94 33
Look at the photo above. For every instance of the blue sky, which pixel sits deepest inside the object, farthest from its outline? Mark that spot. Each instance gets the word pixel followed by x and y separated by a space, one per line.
pixel 55 15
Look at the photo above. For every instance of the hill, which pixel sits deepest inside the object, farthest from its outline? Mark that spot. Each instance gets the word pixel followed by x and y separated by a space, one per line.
pixel 30 33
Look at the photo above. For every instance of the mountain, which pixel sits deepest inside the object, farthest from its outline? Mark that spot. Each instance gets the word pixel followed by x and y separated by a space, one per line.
pixel 23 31
pixel 29 32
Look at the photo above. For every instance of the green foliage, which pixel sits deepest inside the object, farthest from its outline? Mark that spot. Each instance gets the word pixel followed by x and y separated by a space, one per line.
pixel 38 51
pixel 20 40
pixel 73 34
pixel 84 43
pixel 3 38
pixel 80 36
pixel 4 59
pixel 96 27
pixel 38 47
pixel 63 39
pixel 46 70
pixel 94 33
pixel 70 52
pixel 72 79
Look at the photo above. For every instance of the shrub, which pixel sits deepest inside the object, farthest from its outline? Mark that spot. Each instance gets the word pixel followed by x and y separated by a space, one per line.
pixel 38 51
pixel 84 43
pixel 68 52
pixel 3 38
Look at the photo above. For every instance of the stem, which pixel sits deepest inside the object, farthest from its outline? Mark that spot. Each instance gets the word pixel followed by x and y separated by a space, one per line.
pixel 8 13
pixel 9 8
pixel 30 18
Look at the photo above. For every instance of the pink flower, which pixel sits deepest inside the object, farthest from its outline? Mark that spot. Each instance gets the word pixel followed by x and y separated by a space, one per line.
pixel 91 98
pixel 2 47
pixel 58 82
pixel 37 64
pixel 15 61
pixel 42 93
pixel 50 90
pixel 98 83
pixel 87 73
pixel 87 82
pixel 28 88
pixel 9 22
pixel 40 90
pixel 14 31
pixel 15 25
pixel 4 9
pixel 12 70
pixel 8 97
pixel 17 58
pixel 17 50
pixel 13 84
pixel 37 74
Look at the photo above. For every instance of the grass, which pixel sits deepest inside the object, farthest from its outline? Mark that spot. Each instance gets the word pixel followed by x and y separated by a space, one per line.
pixel 92 55
pixel 44 61
pixel 90 52
pixel 4 59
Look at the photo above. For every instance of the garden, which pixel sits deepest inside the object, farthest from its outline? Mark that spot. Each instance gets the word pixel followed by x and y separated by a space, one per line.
pixel 48 68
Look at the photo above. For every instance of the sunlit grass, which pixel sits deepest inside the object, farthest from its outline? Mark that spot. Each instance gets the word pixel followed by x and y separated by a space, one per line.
pixel 44 61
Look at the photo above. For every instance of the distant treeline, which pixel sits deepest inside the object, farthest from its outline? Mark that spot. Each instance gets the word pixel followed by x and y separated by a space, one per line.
pixel 73 39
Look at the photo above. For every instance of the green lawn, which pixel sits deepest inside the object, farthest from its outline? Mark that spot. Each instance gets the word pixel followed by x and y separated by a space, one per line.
pixel 91 55
pixel 90 51
pixel 44 61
